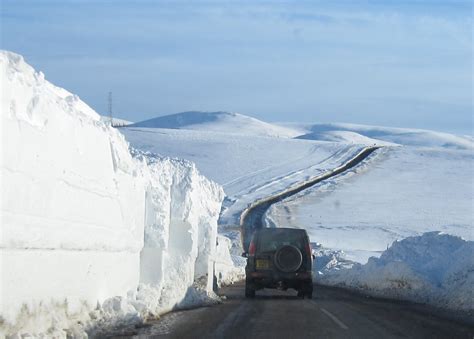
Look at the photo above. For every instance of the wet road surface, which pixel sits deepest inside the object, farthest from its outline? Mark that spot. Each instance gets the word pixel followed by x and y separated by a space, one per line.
pixel 332 313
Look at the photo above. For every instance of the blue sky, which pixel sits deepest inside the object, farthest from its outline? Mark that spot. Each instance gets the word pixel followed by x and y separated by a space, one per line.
pixel 394 63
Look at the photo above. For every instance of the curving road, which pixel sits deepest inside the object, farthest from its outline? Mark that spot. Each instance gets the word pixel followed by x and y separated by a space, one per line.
pixel 332 313
pixel 251 218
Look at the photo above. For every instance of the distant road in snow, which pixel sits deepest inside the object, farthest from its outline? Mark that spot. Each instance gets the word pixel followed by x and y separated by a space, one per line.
pixel 252 217
pixel 332 313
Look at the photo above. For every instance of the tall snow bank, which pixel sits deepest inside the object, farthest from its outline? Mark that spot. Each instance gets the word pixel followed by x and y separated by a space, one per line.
pixel 433 268
pixel 72 202
pixel 90 233
pixel 182 208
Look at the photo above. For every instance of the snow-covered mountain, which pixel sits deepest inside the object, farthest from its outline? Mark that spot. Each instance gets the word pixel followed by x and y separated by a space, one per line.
pixel 224 122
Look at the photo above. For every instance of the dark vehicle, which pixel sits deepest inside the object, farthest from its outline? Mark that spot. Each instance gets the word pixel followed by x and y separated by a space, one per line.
pixel 279 258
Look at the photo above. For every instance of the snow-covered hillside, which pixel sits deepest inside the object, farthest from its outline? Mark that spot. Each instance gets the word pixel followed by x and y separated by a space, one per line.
pixel 393 207
pixel 400 192
pixel 223 122
pixel 90 234
pixel 353 133
pixel 248 167
pixel 404 191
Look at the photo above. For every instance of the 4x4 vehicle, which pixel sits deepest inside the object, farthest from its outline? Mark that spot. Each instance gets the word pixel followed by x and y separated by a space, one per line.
pixel 279 258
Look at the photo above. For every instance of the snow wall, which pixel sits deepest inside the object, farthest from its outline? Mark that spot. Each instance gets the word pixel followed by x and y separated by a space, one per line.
pixel 89 232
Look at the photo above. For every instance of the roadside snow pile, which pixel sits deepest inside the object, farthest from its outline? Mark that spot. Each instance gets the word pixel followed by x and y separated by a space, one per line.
pixel 328 260
pixel 228 274
pixel 90 234
pixel 433 268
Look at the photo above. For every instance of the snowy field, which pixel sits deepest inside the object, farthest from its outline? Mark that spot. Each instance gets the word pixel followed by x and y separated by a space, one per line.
pixel 399 225
pixel 248 166
pixel 402 192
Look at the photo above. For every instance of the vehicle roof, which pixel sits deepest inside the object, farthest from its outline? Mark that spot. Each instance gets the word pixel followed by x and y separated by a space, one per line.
pixel 277 229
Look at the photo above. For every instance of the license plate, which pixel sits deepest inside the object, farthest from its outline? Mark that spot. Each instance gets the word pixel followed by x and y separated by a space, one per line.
pixel 262 264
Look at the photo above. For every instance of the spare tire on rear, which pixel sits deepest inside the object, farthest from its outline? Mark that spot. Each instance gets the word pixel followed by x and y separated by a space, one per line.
pixel 288 258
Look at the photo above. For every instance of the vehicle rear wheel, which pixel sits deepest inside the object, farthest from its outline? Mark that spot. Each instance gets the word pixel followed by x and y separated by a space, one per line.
pixel 249 290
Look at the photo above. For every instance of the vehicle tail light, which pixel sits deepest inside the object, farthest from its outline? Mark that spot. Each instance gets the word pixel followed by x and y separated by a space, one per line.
pixel 252 248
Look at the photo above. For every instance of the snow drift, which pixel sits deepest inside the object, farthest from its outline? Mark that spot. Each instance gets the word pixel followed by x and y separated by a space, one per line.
pixel 433 268
pixel 90 233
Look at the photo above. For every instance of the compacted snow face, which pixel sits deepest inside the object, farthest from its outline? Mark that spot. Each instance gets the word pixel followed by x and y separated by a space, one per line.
pixel 90 234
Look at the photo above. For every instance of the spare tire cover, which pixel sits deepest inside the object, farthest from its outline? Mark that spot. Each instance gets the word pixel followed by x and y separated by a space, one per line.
pixel 288 258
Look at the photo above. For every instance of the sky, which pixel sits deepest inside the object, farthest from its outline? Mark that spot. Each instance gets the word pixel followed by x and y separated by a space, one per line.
pixel 386 62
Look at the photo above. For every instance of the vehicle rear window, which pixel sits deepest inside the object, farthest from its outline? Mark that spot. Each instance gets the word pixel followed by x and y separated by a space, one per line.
pixel 272 239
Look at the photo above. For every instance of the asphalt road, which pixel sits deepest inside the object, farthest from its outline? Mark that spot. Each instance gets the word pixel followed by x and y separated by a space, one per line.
pixel 332 313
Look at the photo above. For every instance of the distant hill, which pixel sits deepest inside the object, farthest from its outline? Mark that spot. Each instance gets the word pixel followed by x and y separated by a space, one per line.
pixel 234 123
pixel 224 122
pixel 354 133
